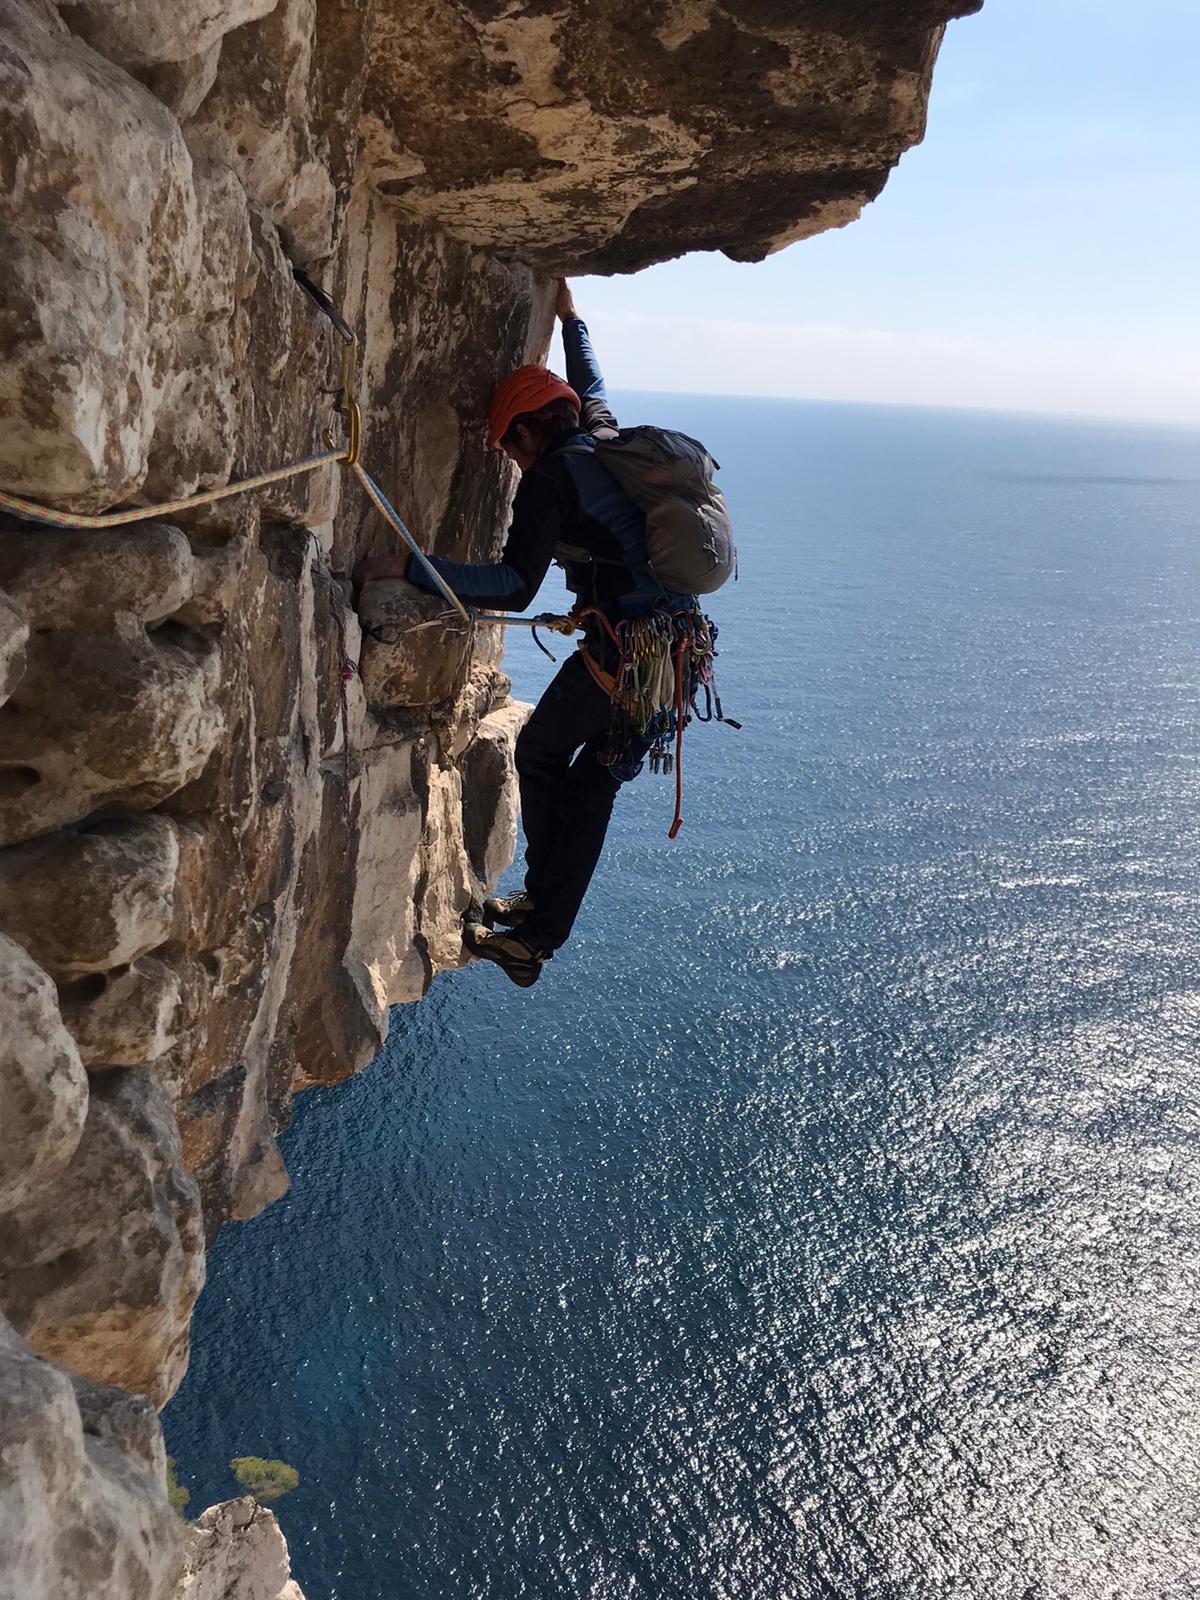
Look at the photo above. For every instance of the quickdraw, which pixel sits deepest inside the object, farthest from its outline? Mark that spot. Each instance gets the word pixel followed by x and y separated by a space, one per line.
pixel 665 662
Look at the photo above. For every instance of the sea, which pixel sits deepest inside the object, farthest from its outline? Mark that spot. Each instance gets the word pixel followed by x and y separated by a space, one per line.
pixel 825 1225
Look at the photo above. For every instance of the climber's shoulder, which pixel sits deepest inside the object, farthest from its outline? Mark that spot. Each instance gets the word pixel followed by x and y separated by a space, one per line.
pixel 547 485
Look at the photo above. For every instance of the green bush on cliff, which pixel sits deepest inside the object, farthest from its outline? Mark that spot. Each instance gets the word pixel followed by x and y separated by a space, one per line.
pixel 177 1495
pixel 265 1480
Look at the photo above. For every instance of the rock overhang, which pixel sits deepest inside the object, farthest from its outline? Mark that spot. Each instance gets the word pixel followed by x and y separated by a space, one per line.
pixel 605 138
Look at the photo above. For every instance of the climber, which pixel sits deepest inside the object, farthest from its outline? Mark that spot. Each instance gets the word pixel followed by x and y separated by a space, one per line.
pixel 575 751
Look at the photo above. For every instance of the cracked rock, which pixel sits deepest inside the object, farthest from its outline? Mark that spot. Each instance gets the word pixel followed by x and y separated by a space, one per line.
pixel 43 1087
pixel 101 1267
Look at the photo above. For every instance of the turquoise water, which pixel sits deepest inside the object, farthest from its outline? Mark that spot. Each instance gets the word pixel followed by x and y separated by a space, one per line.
pixel 826 1222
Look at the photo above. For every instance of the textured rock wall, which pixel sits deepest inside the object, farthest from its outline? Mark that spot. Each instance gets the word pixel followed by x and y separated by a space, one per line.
pixel 235 1551
pixel 82 1510
pixel 610 136
pixel 222 860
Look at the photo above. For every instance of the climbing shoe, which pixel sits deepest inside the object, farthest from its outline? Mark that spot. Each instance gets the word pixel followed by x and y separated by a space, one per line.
pixel 507 910
pixel 512 955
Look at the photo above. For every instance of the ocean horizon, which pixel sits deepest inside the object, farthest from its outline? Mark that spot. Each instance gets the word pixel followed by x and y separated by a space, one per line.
pixel 825 1225
pixel 1156 425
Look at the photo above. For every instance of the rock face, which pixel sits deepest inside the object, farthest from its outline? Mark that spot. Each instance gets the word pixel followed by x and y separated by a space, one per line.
pixel 101 1266
pixel 224 852
pixel 235 1551
pixel 611 136
pixel 43 1087
pixel 83 1514
pixel 416 650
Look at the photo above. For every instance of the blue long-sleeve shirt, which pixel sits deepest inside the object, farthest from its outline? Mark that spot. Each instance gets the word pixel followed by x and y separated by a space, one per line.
pixel 567 498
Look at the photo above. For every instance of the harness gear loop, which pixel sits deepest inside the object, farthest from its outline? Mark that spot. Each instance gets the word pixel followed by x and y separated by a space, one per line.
pixel 664 663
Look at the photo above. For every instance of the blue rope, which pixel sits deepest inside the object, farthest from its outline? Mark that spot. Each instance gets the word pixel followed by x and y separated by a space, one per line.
pixel 385 505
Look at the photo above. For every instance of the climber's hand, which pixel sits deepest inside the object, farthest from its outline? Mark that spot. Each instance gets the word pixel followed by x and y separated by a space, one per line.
pixel 368 568
pixel 564 306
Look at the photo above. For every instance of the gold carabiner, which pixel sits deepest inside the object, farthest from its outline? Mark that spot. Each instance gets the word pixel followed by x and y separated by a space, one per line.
pixel 348 405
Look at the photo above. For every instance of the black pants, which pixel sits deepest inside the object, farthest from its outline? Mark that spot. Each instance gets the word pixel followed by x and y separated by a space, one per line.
pixel 567 794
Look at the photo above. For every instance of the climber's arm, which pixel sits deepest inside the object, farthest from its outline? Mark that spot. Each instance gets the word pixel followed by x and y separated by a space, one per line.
pixel 511 583
pixel 583 370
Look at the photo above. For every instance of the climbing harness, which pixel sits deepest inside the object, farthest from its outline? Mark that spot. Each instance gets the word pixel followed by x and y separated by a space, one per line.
pixel 664 665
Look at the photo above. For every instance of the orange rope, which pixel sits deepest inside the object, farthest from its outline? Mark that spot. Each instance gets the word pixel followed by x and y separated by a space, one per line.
pixel 592 611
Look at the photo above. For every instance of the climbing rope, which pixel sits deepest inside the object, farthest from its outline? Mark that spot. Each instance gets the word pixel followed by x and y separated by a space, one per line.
pixel 31 512
pixel 346 455
pixel 384 506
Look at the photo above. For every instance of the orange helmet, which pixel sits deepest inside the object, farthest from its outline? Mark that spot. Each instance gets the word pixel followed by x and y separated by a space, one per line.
pixel 526 389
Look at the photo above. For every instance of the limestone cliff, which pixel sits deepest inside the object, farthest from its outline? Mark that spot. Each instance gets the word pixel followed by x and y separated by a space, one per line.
pixel 235 1551
pixel 225 855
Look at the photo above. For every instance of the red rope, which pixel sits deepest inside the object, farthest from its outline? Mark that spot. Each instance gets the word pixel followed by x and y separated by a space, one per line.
pixel 678 822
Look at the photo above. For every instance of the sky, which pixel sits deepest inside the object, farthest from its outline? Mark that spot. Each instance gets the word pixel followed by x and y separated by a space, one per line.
pixel 1040 251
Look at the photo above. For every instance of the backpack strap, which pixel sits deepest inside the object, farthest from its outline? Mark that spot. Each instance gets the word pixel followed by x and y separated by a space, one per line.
pixel 641 571
pixel 577 555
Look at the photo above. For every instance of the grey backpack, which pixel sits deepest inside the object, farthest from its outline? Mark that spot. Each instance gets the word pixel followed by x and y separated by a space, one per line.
pixel 689 538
